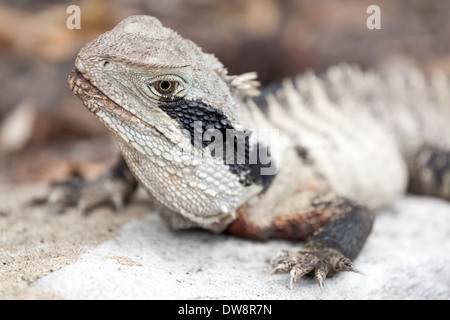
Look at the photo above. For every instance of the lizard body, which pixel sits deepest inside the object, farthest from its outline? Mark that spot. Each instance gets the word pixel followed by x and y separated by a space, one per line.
pixel 347 142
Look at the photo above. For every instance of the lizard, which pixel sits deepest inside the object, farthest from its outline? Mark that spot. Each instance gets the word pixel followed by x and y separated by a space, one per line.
pixel 310 158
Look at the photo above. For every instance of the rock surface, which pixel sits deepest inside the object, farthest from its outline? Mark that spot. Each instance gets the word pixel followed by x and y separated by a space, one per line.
pixel 406 257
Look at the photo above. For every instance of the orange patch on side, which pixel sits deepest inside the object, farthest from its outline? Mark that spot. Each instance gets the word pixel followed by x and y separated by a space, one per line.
pixel 296 226
pixel 242 227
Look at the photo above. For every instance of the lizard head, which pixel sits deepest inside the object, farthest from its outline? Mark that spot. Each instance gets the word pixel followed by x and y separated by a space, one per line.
pixel 159 94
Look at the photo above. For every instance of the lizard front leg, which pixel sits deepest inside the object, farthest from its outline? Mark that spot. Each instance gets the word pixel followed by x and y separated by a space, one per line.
pixel 332 247
pixel 341 225
pixel 115 187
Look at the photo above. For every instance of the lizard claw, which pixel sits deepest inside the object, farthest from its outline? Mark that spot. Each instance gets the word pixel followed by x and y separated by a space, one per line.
pixel 321 284
pixel 358 271
pixel 298 271
pixel 344 264
pixel 281 267
pixel 274 270
pixel 320 275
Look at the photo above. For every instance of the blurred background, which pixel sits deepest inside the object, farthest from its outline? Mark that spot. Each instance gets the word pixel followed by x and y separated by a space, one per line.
pixel 47 135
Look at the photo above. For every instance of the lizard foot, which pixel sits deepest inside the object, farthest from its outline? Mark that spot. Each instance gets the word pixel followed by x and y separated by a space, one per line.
pixel 86 194
pixel 115 187
pixel 320 262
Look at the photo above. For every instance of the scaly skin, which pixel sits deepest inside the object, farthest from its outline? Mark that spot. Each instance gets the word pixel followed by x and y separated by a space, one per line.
pixel 344 143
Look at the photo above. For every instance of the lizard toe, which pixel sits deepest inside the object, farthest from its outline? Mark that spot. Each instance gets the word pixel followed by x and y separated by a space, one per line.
pixel 319 263
pixel 87 194
pixel 104 190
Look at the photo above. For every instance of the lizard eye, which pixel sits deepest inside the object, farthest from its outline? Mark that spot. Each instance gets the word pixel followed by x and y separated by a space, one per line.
pixel 167 88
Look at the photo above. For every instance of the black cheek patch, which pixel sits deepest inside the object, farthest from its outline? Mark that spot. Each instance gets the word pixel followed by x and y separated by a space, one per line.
pixel 199 120
pixel 260 151
pixel 188 112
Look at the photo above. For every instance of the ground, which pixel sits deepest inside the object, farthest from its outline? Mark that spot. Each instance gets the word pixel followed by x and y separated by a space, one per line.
pixel 132 255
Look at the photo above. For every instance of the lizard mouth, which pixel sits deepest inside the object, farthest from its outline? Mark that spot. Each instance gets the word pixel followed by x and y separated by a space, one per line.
pixel 98 103
pixel 85 90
